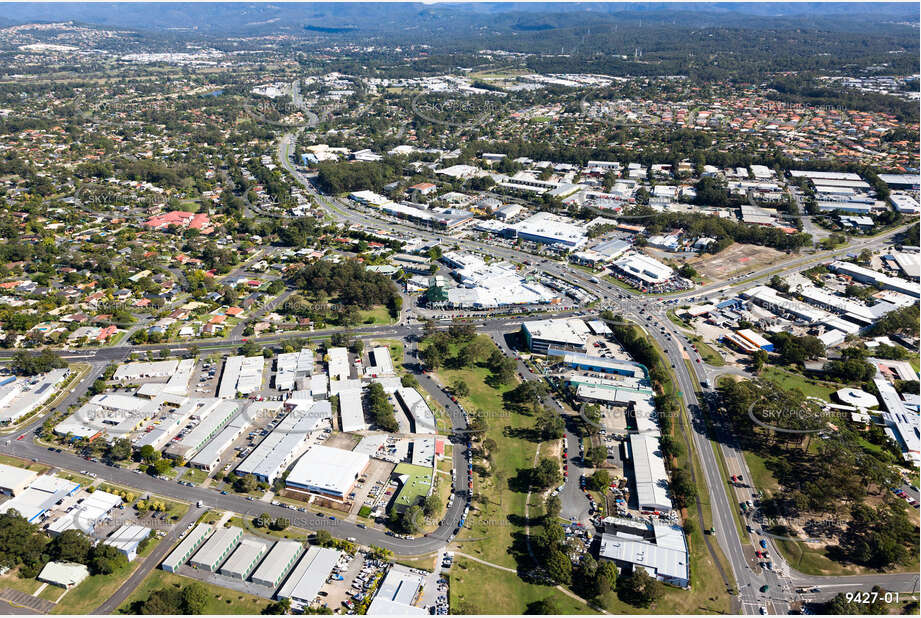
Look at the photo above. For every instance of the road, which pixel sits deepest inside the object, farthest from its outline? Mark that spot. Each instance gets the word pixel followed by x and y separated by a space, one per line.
pixel 149 563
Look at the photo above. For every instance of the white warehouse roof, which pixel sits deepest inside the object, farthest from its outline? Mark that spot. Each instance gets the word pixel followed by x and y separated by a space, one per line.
pixel 327 470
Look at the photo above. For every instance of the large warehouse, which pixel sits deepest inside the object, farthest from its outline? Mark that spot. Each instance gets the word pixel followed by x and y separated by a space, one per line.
pixel 351 412
pixel 305 581
pixel 644 269
pixel 277 563
pixel 192 541
pixel 208 427
pixel 269 459
pixel 650 474
pixel 661 551
pixel 207 457
pixel 418 410
pixel 243 559
pixel 13 480
pixel 216 549
pixel 329 472
pixel 563 333
pixel 397 594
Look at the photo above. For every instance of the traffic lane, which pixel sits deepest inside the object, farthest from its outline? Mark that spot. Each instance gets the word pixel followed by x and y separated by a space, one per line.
pixel 228 502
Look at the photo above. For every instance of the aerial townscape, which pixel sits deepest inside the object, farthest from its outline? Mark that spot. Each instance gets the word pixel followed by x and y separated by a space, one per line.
pixel 459 308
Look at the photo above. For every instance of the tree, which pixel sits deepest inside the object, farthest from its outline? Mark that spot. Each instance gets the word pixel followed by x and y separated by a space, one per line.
pixel 550 425
pixel 27 364
pixel 70 546
pixel 559 567
pixel 244 484
pixel 105 559
pixel 546 474
pixel 279 524
pixel 323 538
pixel 459 388
pixel 641 589
pixel 544 607
pixel 412 519
pixel 431 505
pixel 278 608
pixel 195 598
pixel 162 466
pixel 120 449
pixel 596 456
pixel 600 480
pixel 149 454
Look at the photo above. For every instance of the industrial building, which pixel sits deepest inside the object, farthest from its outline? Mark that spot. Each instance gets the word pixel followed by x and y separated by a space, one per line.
pixel 13 480
pixel 277 563
pixel 487 286
pixel 398 594
pixel 130 372
pixel 177 384
pixel 643 269
pixel 326 471
pixel 338 364
pixel 419 412
pixel 381 363
pixel 866 275
pixel 21 396
pixel 902 426
pixel 562 333
pixel 649 472
pixel 85 516
pixel 351 411
pixel 789 308
pixel 216 549
pixel 242 374
pixel 306 579
pixel 209 455
pixel 160 435
pixel 659 548
pixel 286 442
pixel 598 364
pixel 192 541
pixel 293 367
pixel 209 426
pixel 63 574
pixel 40 496
pixel 127 539
pixel 551 229
pixel 243 559
pixel 749 341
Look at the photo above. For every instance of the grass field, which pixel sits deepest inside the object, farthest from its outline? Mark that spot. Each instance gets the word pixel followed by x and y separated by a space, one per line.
pixel 22 463
pixel 376 315
pixel 808 386
pixel 195 475
pixel 220 600
pixel 477 588
pixel 708 353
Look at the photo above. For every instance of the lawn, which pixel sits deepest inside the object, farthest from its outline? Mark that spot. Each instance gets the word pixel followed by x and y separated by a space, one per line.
pixel 376 315
pixel 426 563
pixel 477 588
pixel 495 521
pixel 84 481
pixel 12 580
pixel 22 463
pixel 708 353
pixel 220 600
pixel 290 533
pixel 808 386
pixel 195 475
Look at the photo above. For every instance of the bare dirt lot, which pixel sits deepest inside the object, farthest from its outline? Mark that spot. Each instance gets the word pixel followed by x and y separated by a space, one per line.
pixel 735 259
